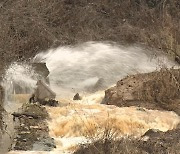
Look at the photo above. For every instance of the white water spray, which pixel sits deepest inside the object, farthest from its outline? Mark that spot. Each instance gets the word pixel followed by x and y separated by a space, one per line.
pixel 78 69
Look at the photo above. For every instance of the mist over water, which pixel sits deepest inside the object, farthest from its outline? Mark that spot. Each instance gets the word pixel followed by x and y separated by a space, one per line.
pixel 18 75
pixel 78 68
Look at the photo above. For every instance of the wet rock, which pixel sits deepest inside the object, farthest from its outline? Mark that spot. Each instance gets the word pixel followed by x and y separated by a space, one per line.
pixel 35 127
pixel 33 133
pixel 21 115
pixel 24 132
pixel 43 92
pixel 49 102
pixel 45 144
pixel 24 140
pixel 77 97
pixel 141 109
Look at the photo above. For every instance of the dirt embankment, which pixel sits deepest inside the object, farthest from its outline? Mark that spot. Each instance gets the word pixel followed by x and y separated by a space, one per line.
pixel 157 90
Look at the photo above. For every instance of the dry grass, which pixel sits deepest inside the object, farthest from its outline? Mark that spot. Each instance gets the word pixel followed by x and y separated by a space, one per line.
pixel 162 87
pixel 159 142
pixel 32 26
pixel 156 90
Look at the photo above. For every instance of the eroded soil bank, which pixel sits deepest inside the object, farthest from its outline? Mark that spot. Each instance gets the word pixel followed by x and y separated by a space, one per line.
pixel 157 90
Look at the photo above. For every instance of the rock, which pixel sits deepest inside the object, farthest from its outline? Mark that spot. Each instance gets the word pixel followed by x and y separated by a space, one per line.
pixel 100 85
pixel 32 134
pixel 152 133
pixel 140 109
pixel 77 97
pixel 156 90
pixel 45 144
pixel 49 102
pixel 43 92
pixel 159 143
pixel 24 140
pixel 21 115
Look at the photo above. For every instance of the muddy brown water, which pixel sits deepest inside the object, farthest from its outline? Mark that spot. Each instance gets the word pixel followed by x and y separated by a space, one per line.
pixel 82 121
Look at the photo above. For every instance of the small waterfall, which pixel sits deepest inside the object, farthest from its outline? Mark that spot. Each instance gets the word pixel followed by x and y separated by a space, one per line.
pixel 82 68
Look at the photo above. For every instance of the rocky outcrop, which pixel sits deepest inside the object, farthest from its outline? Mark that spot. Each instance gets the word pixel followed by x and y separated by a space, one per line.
pixel 31 130
pixel 156 90
pixel 43 91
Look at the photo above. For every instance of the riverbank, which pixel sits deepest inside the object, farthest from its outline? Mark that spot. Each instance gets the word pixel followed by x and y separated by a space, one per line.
pixel 31 129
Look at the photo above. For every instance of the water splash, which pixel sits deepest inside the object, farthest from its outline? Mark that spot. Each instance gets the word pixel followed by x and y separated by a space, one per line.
pixel 78 68
pixel 18 78
pixel 82 69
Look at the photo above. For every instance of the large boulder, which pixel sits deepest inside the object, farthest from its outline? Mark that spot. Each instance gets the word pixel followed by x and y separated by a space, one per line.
pixel 42 70
pixel 156 90
pixel 43 92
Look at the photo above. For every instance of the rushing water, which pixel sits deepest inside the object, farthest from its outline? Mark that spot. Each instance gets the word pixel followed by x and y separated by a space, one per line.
pixel 78 69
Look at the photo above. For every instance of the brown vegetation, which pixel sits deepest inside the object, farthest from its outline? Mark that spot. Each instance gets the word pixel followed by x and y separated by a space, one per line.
pixel 158 142
pixel 32 129
pixel 28 27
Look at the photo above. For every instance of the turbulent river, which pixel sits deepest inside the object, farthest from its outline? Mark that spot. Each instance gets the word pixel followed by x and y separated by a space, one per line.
pixel 77 69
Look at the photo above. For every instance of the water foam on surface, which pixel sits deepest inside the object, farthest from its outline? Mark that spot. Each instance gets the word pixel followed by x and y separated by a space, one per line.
pixel 80 120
